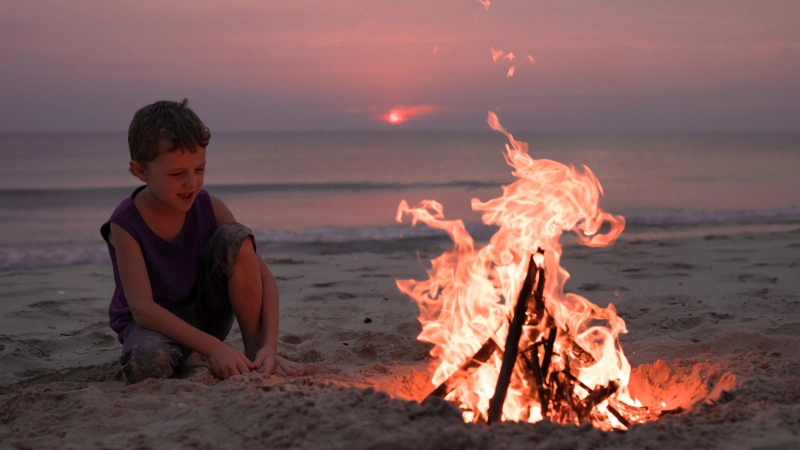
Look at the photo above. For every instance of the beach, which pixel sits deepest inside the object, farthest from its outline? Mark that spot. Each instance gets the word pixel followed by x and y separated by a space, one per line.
pixel 713 320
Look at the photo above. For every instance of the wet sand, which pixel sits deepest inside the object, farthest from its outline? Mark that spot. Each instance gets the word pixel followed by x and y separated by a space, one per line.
pixel 713 324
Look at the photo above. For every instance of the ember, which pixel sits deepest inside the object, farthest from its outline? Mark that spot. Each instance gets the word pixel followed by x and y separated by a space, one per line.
pixel 509 344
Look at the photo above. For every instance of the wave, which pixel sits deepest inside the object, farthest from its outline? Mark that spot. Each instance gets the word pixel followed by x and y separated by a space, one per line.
pixel 677 217
pixel 106 198
pixel 10 197
pixel 377 238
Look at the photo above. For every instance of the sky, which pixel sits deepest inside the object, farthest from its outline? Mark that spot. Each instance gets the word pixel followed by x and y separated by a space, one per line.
pixel 264 65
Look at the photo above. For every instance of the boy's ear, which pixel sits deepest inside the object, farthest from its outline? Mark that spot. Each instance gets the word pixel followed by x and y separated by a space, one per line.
pixel 138 171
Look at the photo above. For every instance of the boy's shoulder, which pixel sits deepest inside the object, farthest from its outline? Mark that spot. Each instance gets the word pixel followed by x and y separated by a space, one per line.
pixel 222 214
pixel 124 214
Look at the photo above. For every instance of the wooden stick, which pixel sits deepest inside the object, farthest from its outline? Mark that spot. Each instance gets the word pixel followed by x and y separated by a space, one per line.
pixel 597 396
pixel 548 350
pixel 576 380
pixel 539 377
pixel 619 417
pixel 512 341
pixel 538 296
pixel 465 370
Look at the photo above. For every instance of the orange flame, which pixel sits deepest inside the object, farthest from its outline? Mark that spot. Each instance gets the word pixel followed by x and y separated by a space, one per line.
pixel 496 54
pixel 510 72
pixel 466 299
pixel 485 3
pixel 400 114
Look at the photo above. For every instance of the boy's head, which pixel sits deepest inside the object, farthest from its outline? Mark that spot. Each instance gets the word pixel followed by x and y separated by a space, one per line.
pixel 165 126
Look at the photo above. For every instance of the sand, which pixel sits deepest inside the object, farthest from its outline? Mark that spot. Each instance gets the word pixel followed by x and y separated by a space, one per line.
pixel 713 325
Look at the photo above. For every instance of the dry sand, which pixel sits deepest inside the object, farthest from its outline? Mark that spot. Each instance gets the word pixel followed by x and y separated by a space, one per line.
pixel 714 324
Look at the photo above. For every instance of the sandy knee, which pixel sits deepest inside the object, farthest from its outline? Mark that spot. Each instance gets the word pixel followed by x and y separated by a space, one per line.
pixel 149 362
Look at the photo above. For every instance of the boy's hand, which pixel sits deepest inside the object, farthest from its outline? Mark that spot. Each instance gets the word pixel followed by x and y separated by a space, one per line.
pixel 265 360
pixel 226 361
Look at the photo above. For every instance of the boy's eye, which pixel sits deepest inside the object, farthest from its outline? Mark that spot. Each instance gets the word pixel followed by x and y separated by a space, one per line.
pixel 176 174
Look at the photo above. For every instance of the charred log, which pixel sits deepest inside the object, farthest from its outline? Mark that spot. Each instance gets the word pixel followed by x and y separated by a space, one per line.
pixel 511 348
pixel 468 368
pixel 548 350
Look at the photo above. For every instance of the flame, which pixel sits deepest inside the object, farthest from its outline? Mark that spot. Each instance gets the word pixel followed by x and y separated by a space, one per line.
pixel 531 59
pixel 485 3
pixel 496 54
pixel 400 114
pixel 510 56
pixel 469 295
pixel 510 72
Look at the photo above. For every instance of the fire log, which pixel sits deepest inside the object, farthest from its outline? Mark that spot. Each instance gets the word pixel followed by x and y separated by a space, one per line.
pixel 512 340
pixel 468 368
pixel 597 396
pixel 548 350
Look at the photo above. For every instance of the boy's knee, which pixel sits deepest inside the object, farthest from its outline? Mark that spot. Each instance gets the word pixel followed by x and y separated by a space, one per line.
pixel 149 358
pixel 226 244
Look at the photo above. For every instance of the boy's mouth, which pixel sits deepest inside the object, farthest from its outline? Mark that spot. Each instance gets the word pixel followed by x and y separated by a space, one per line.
pixel 186 197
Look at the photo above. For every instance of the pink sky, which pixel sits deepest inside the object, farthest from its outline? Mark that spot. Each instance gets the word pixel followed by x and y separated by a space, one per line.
pixel 321 65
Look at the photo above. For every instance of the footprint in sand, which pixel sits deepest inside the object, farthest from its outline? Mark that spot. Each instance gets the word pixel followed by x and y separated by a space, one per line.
pixel 601 287
pixel 753 278
pixel 328 296
pixel 295 339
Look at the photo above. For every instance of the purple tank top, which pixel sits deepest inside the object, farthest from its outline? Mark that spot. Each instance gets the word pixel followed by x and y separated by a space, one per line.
pixel 173 267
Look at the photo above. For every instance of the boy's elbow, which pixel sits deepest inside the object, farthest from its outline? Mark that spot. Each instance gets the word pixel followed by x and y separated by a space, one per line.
pixel 142 315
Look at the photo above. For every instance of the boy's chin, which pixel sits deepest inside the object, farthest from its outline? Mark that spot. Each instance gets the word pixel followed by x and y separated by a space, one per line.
pixel 182 206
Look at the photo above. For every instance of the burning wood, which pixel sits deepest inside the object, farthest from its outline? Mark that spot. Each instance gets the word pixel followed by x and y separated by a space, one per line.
pixel 512 341
pixel 465 370
pixel 561 358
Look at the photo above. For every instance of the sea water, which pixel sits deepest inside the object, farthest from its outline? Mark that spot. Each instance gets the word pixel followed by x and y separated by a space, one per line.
pixel 320 188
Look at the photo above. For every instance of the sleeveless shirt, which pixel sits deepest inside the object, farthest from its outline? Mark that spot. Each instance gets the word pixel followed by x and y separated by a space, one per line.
pixel 173 267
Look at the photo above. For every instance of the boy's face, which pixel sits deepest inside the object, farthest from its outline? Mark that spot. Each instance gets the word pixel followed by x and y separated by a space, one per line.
pixel 174 178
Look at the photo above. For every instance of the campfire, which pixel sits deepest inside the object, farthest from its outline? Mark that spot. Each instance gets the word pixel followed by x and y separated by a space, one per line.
pixel 509 343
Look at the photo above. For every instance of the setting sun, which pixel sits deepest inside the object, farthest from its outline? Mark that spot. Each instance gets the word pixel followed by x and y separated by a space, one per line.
pixel 400 114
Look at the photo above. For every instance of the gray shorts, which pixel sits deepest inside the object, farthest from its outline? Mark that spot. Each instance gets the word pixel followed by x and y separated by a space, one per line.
pixel 147 354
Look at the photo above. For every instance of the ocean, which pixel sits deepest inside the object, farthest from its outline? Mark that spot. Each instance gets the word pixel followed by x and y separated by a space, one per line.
pixel 307 190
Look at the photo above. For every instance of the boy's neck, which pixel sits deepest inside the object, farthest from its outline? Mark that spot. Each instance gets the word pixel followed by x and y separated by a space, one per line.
pixel 149 201
pixel 165 221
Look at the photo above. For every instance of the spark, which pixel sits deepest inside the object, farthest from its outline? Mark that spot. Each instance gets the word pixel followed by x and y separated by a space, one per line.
pixel 510 72
pixel 531 58
pixel 485 3
pixel 435 49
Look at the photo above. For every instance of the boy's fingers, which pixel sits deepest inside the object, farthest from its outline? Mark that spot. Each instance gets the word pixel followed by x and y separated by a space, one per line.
pixel 241 367
pixel 250 365
pixel 260 359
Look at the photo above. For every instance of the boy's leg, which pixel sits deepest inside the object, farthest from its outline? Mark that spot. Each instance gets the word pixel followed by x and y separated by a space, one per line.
pixel 230 284
pixel 148 354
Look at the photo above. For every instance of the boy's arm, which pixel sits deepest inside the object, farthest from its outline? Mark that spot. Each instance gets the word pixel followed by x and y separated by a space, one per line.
pixel 266 356
pixel 224 359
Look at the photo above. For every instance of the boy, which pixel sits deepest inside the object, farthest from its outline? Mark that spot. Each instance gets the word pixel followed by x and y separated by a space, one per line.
pixel 183 266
